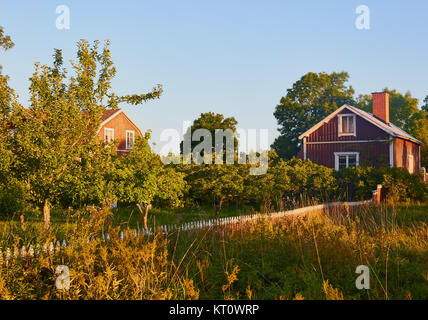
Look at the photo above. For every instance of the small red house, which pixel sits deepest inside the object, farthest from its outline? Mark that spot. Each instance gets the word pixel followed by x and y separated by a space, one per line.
pixel 116 125
pixel 351 137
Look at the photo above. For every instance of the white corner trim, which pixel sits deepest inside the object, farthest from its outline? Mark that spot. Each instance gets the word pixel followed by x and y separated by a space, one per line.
pixel 304 148
pixel 391 152
pixel 411 163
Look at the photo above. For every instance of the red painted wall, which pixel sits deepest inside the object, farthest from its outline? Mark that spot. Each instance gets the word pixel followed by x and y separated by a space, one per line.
pixel 371 153
pixel 330 131
pixel 120 124
pixel 403 148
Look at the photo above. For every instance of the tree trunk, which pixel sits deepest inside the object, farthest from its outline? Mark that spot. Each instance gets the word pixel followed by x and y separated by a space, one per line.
pixel 22 222
pixel 144 213
pixel 46 215
pixel 218 207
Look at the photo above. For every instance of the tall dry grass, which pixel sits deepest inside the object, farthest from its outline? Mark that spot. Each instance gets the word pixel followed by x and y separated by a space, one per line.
pixel 315 256
pixel 312 256
pixel 132 268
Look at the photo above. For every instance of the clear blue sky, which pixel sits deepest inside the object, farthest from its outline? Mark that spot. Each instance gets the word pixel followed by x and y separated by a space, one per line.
pixel 231 57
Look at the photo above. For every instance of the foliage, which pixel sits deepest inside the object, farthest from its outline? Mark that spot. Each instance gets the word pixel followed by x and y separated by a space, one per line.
pixel 403 109
pixel 210 121
pixel 313 256
pixel 306 257
pixel 90 181
pixel 290 182
pixel 5 40
pixel 12 194
pixel 311 99
pixel 13 198
pixel 398 184
pixel 8 101
pixel 141 177
pixel 425 105
pixel 404 113
pixel 56 136
pixel 214 183
pixel 133 268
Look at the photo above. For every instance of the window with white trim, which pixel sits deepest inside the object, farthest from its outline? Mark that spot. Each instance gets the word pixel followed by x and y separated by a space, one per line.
pixel 130 138
pixel 347 124
pixel 346 160
pixel 108 135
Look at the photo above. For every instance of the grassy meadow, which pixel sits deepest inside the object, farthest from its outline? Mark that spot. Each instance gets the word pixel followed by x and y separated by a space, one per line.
pixel 311 256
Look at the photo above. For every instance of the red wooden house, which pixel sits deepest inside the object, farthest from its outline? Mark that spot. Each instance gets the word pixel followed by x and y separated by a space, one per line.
pixel 351 137
pixel 117 126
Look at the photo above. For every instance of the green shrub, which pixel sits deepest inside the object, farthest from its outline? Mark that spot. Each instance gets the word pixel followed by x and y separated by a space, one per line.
pixel 291 183
pixel 13 198
pixel 399 185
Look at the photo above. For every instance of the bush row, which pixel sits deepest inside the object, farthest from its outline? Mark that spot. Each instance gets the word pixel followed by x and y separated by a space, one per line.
pixel 286 184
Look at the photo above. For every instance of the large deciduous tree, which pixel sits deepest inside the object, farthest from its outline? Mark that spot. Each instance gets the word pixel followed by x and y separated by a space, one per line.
pixel 8 102
pixel 56 135
pixel 425 105
pixel 142 178
pixel 12 193
pixel 210 121
pixel 310 99
pixel 215 183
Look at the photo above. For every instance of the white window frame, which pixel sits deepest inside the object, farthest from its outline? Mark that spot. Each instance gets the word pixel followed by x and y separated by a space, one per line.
pixel 336 159
pixel 105 134
pixel 129 146
pixel 411 169
pixel 339 124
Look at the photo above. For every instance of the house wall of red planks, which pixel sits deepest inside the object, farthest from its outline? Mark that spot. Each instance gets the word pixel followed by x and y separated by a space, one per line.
pixel 402 150
pixel 374 153
pixel 120 124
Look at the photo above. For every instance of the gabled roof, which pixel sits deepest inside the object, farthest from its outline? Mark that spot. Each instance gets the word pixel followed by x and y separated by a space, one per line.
pixel 109 115
pixel 389 128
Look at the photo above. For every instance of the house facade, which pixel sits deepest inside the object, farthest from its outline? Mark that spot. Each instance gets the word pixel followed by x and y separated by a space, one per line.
pixel 351 137
pixel 117 126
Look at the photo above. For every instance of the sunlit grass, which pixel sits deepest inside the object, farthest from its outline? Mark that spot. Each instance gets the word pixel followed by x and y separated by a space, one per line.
pixel 313 256
pixel 294 256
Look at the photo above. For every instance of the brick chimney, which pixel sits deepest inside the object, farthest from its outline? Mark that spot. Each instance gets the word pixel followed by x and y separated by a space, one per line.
pixel 381 105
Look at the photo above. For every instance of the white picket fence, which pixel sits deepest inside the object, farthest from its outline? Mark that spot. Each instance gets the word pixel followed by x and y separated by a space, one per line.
pixel 7 254
pixel 202 224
